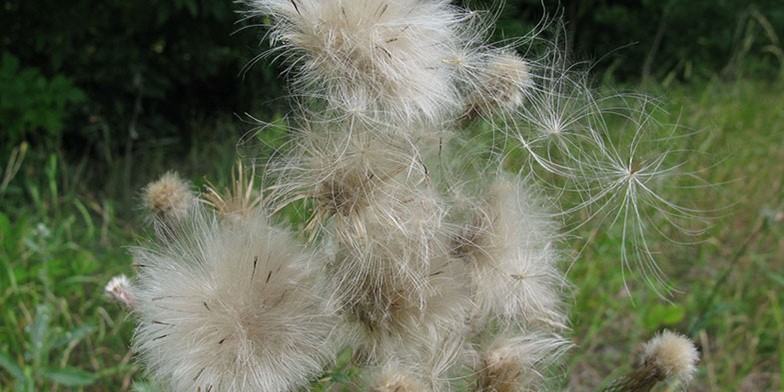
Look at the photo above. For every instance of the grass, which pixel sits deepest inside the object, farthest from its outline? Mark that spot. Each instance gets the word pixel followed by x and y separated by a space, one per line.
pixel 64 226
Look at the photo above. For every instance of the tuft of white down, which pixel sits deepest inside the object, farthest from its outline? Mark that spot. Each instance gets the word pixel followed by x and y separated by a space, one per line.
pixel 512 249
pixel 231 306
pixel 388 54
pixel 672 355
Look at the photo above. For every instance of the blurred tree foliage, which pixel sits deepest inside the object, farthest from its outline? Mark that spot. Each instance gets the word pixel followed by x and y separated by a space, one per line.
pixel 150 68
pixel 665 39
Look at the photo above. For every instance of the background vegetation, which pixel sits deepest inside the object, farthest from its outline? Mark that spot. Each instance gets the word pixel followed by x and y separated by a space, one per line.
pixel 98 98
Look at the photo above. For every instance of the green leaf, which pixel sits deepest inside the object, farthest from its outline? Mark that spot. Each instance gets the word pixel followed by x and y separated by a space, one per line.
pixel 340 378
pixel 9 365
pixel 663 315
pixel 70 377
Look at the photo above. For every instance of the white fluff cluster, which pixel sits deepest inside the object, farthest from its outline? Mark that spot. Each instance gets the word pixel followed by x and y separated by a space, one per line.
pixel 425 254
pixel 513 252
pixel 669 358
pixel 672 355
pixel 168 199
pixel 396 79
pixel 375 56
pixel 231 307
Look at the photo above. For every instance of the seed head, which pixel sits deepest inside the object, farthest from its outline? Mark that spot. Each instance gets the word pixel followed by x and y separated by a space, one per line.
pixel 232 306
pixel 394 380
pixel 511 248
pixel 387 54
pixel 502 85
pixel 238 201
pixel 169 198
pixel 672 355
pixel 668 357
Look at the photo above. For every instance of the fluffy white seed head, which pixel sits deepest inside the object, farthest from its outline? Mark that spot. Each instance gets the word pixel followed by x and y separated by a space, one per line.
pixel 342 168
pixel 231 307
pixel 169 198
pixel 672 355
pixel 389 54
pixel 394 275
pixel 668 357
pixel 511 246
pixel 502 84
pixel 392 241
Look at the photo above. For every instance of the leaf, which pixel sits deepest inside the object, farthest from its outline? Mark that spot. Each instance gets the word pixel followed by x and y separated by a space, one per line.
pixel 70 377
pixel 663 315
pixel 339 378
pixel 9 365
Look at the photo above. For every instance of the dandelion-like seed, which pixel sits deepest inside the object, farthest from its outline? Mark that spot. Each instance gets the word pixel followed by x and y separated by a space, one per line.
pixel 625 185
pixel 232 307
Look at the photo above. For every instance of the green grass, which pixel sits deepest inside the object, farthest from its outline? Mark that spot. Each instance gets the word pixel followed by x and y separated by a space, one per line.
pixel 65 223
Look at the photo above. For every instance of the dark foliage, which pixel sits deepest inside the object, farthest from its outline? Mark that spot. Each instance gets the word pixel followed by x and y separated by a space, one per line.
pixel 148 69
pixel 659 39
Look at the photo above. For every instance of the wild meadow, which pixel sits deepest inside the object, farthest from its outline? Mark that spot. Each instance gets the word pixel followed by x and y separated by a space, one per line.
pixel 67 222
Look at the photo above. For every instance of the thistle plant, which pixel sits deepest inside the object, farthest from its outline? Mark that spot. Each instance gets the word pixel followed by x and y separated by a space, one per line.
pixel 436 266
